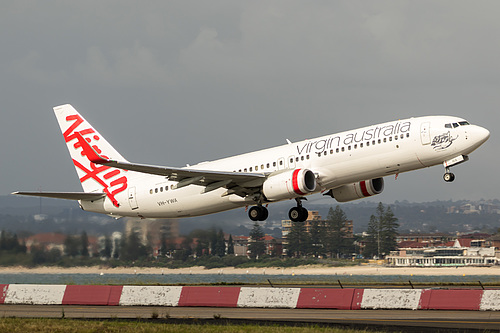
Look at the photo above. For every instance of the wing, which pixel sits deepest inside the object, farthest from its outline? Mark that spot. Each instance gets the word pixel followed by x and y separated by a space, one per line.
pixel 65 195
pixel 238 183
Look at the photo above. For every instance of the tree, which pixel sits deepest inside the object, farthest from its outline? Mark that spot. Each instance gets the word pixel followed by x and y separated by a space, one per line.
pixel 390 227
pixel 334 233
pixel 108 247
pixel 117 249
pixel 299 240
pixel 256 245
pixel 132 248
pixel 220 246
pixel 72 246
pixel 230 245
pixel 317 234
pixel 213 241
pixel 382 232
pixel 84 239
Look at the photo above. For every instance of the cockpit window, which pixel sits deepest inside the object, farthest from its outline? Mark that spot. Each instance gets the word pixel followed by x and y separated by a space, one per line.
pixel 455 125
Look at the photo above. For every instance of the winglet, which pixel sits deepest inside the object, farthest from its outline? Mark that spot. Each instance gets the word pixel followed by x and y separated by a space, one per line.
pixel 90 152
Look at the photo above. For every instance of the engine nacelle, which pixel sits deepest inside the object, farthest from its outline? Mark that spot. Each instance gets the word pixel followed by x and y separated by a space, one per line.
pixel 289 184
pixel 363 189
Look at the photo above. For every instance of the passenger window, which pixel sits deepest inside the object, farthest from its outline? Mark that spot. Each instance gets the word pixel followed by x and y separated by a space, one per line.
pixel 368 143
pixel 161 189
pixel 356 146
pixel 256 168
pixel 245 169
pixel 402 136
pixel 361 145
pixel 307 156
pixel 156 190
pixel 281 162
pixel 331 151
pixel 296 159
pixel 373 142
pixel 396 137
pixel 390 138
pixel 407 135
pixel 325 153
pixel 262 167
pixel 349 148
pixel 251 169
pixel 302 158
pixel 151 191
pixel 337 150
pixel 379 141
pixel 385 139
pixel 343 149
pixel 268 166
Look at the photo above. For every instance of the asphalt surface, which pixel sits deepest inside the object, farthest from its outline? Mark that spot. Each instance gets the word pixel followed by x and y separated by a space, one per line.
pixel 390 320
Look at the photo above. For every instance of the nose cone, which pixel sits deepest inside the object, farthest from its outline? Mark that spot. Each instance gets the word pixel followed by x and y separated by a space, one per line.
pixel 482 134
pixel 479 135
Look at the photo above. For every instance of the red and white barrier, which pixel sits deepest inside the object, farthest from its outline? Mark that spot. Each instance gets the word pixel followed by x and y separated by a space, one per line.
pixel 253 297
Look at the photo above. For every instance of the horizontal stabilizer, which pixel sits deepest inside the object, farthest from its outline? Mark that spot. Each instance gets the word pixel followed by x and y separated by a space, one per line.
pixel 65 195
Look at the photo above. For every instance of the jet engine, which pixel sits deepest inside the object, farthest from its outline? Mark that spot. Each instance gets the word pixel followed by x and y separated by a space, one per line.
pixel 363 189
pixel 289 184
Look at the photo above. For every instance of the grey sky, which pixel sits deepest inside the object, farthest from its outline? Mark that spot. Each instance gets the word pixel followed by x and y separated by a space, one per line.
pixel 171 83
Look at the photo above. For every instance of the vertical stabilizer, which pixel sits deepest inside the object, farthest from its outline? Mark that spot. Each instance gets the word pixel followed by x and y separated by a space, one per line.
pixel 94 177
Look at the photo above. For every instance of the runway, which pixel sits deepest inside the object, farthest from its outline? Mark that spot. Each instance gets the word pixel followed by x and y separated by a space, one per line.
pixel 416 321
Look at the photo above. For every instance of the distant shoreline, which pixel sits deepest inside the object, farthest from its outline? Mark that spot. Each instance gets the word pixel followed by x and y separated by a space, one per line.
pixel 300 270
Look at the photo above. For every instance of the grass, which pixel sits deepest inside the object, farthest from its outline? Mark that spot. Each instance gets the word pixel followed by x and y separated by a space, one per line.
pixel 73 325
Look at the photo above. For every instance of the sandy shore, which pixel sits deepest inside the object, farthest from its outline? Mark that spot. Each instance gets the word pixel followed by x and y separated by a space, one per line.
pixel 301 270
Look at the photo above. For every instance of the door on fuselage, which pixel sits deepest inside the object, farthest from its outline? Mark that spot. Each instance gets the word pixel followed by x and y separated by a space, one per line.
pixel 132 199
pixel 425 133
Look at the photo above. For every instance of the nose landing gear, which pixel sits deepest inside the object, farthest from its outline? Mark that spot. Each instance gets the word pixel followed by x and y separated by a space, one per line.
pixel 448 176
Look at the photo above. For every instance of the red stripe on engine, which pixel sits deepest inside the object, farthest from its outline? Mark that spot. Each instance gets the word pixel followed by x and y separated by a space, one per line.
pixel 364 189
pixel 295 182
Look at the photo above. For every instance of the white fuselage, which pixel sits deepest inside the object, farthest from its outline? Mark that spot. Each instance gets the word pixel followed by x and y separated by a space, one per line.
pixel 336 160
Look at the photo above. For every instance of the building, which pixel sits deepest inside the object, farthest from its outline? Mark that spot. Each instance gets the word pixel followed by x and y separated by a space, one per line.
pixel 422 240
pixel 440 257
pixel 150 231
pixel 52 240
pixel 312 218
pixel 274 246
pixel 46 241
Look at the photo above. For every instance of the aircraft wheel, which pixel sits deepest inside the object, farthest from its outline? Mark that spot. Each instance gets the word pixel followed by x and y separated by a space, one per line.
pixel 298 214
pixel 265 214
pixel 303 214
pixel 258 213
pixel 294 214
pixel 449 177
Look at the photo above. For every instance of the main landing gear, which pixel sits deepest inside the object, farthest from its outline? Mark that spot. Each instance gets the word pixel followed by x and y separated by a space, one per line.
pixel 448 176
pixel 258 213
pixel 296 214
pixel 299 213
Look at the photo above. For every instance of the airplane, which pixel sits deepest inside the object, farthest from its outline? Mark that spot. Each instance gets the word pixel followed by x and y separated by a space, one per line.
pixel 346 166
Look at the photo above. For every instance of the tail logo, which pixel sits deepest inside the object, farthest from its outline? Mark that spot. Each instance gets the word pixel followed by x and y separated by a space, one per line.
pixel 112 180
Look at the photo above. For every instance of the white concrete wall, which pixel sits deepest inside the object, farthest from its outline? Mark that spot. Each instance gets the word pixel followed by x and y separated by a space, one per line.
pixel 268 297
pixel 150 295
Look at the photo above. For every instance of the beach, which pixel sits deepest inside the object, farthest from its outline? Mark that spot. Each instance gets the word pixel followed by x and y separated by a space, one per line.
pixel 300 270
